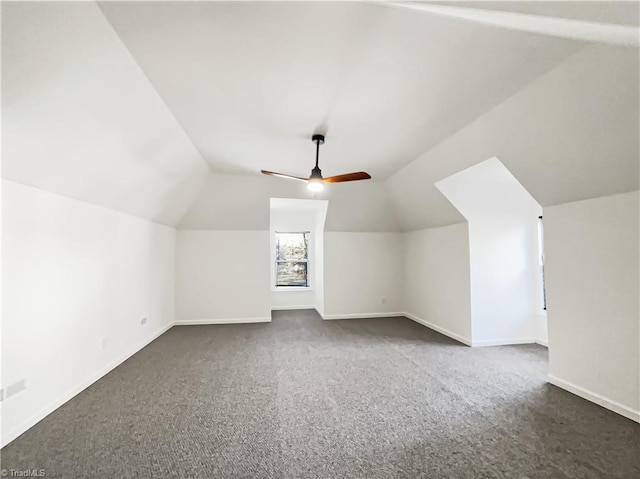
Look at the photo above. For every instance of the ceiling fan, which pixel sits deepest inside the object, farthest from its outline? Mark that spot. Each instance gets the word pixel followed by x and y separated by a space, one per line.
pixel 315 182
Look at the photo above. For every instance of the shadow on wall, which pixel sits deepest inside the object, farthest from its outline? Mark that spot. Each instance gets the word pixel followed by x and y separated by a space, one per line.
pixel 506 280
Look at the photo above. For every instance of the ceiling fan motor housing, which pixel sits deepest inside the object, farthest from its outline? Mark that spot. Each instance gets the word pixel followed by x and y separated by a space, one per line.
pixel 316 174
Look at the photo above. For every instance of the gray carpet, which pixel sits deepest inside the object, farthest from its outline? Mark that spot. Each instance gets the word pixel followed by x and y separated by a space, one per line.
pixel 306 398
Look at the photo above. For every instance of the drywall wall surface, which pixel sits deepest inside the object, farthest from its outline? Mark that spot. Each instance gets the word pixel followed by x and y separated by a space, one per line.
pixel 319 255
pixel 363 273
pixel 295 216
pixel 503 251
pixel 236 202
pixel 592 297
pixel 80 118
pixel 222 275
pixel 78 281
pixel 437 279
pixel 570 135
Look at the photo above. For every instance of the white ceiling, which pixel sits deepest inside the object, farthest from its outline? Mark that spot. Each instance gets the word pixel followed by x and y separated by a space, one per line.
pixel 168 110
pixel 606 12
pixel 573 134
pixel 80 119
pixel 251 82
pixel 241 202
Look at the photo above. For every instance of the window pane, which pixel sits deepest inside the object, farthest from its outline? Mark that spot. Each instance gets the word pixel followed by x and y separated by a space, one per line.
pixel 291 246
pixel 291 274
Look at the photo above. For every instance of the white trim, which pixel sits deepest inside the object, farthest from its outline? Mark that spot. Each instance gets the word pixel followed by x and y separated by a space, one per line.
pixel 502 342
pixel 360 316
pixel 542 342
pixel 196 322
pixel 40 415
pixel 289 289
pixel 438 329
pixel 606 403
pixel 288 308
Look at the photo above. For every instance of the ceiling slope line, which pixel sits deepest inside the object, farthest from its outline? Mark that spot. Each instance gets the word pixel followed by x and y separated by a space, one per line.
pixel 478 118
pixel 208 168
pixel 89 203
pixel 153 86
pixel 593 32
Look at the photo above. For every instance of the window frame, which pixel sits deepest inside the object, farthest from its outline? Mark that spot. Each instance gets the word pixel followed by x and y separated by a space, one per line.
pixel 307 261
pixel 541 259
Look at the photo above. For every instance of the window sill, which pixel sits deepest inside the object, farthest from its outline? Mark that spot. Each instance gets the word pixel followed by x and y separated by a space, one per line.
pixel 292 288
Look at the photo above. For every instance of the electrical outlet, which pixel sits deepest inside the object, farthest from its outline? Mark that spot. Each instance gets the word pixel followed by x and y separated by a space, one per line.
pixel 143 321
pixel 384 300
pixel 13 389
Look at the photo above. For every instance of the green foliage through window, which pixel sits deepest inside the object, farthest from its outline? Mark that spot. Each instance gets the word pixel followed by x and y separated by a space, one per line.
pixel 292 259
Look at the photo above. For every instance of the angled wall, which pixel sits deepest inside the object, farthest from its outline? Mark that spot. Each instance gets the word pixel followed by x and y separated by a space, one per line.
pixel 77 282
pixel 81 119
pixel 570 135
pixel 360 229
pixel 503 252
pixel 233 202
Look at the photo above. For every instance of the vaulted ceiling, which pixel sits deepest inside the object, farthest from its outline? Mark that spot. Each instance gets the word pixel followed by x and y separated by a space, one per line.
pixel 168 110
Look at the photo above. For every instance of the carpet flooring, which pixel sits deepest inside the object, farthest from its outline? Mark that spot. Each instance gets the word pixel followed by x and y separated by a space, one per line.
pixel 306 398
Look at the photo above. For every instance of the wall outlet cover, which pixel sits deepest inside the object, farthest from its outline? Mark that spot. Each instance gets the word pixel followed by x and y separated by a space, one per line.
pixel 13 389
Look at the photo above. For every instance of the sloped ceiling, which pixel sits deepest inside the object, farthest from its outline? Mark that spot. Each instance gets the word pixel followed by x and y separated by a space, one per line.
pixel 571 135
pixel 168 110
pixel 605 12
pixel 241 202
pixel 250 82
pixel 79 117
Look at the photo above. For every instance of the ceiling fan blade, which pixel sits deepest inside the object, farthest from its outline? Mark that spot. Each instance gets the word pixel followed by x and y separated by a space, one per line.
pixel 360 175
pixel 282 175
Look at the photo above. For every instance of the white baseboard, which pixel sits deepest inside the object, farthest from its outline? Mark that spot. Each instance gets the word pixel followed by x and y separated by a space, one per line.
pixel 440 330
pixel 595 398
pixel 502 342
pixel 289 308
pixel 360 316
pixel 40 415
pixel 196 322
pixel 542 342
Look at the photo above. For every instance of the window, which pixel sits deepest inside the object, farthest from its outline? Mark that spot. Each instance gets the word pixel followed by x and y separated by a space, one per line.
pixel 292 259
pixel 541 256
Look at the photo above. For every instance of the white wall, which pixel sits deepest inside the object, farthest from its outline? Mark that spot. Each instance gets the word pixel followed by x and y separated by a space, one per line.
pixel 290 215
pixel 319 256
pixel 570 135
pixel 592 297
pixel 223 275
pixel 437 279
pixel 234 202
pixel 76 281
pixel 87 123
pixel 503 251
pixel 363 274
